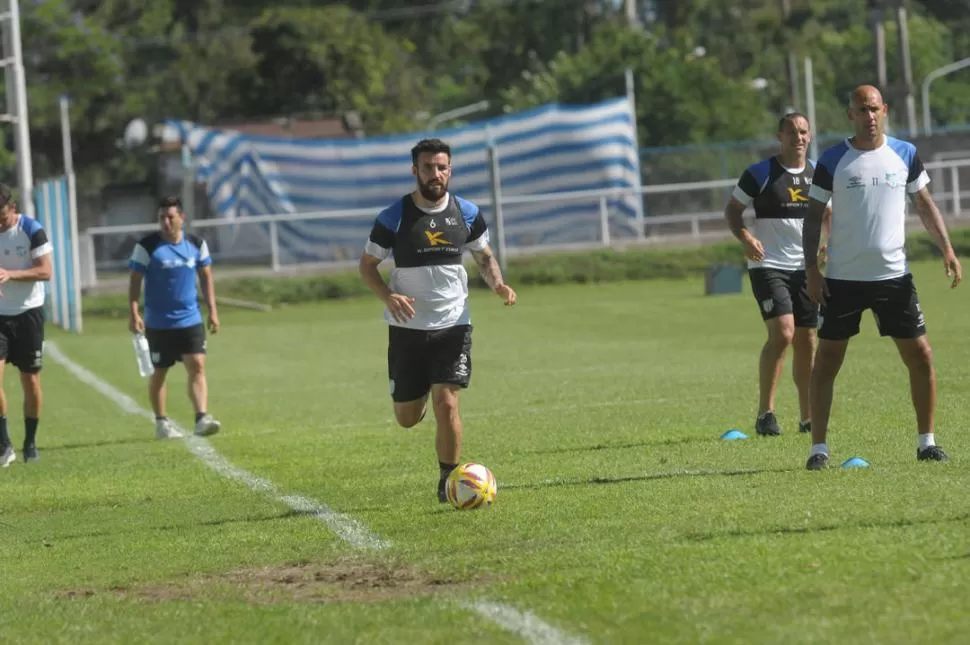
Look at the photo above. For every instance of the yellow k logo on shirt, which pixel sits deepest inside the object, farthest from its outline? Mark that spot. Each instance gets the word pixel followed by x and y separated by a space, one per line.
pixel 435 238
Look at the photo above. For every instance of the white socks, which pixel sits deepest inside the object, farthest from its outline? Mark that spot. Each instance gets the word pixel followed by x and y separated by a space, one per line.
pixel 819 449
pixel 925 441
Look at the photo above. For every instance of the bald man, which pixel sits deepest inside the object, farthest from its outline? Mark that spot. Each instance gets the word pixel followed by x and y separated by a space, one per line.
pixel 868 177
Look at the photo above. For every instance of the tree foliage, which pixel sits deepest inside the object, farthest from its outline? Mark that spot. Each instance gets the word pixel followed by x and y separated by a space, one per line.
pixel 398 62
pixel 681 97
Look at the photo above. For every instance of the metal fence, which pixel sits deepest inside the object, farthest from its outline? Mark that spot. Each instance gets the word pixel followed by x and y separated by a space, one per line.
pixel 684 212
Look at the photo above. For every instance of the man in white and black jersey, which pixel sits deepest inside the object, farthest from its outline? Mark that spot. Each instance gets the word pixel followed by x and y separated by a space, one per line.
pixel 778 187
pixel 868 178
pixel 426 300
pixel 25 264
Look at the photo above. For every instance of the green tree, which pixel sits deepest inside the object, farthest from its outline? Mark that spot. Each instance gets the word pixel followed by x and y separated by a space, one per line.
pixel 681 97
pixel 330 60
pixel 70 55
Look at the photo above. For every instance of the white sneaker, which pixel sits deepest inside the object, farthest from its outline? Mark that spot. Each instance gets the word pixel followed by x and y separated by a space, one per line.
pixel 206 426
pixel 8 457
pixel 165 429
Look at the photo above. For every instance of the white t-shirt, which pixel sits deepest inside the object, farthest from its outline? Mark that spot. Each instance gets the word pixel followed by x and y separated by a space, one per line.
pixel 868 190
pixel 20 245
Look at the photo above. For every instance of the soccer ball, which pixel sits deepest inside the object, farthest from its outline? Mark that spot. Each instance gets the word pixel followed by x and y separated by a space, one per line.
pixel 471 486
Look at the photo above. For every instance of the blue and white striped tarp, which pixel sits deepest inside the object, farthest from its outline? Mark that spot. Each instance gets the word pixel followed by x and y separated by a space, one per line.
pixel 52 202
pixel 547 150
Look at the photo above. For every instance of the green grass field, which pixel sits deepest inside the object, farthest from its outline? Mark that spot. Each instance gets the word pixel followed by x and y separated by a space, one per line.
pixel 621 517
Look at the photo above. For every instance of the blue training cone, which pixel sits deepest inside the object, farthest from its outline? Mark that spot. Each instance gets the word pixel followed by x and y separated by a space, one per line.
pixel 733 435
pixel 855 462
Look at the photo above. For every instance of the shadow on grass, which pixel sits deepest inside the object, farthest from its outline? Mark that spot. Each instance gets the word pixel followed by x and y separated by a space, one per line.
pixel 176 528
pixel 826 528
pixel 622 479
pixel 148 438
pixel 617 446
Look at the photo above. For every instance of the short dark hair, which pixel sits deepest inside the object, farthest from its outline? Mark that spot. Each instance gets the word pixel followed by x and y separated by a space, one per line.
pixel 170 202
pixel 6 195
pixel 434 146
pixel 791 116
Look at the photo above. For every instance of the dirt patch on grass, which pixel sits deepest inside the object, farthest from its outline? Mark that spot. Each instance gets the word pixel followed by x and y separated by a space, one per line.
pixel 345 580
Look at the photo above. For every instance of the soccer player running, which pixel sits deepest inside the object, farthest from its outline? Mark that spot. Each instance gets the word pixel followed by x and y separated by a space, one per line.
pixel 868 177
pixel 426 300
pixel 778 188
pixel 25 263
pixel 169 262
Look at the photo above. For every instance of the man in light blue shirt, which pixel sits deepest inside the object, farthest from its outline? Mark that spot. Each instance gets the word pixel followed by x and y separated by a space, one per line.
pixel 169 263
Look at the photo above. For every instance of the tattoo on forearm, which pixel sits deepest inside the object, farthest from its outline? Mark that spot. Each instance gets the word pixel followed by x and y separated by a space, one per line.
pixel 490 271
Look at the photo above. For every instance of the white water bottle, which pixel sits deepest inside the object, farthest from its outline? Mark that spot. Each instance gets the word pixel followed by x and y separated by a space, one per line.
pixel 143 354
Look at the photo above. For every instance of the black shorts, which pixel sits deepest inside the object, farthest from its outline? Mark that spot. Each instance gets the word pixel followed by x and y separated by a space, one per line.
pixel 170 345
pixel 22 340
pixel 893 302
pixel 418 359
pixel 781 292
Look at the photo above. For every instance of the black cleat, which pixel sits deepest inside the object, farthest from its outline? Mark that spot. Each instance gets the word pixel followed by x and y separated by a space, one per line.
pixel 767 425
pixel 931 453
pixel 805 426
pixel 818 461
pixel 30 452
pixel 442 495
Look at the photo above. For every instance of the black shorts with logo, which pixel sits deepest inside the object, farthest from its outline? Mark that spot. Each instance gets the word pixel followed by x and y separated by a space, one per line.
pixel 22 340
pixel 781 292
pixel 170 345
pixel 418 359
pixel 894 305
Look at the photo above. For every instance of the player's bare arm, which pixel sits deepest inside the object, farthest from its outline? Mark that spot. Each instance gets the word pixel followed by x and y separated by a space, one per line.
pixel 734 214
pixel 812 232
pixel 135 323
pixel 811 239
pixel 827 222
pixel 40 271
pixel 400 307
pixel 492 274
pixel 209 294
pixel 827 230
pixel 933 222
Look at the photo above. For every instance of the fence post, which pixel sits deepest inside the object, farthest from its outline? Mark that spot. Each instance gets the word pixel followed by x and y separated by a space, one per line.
pixel 74 297
pixel 631 98
pixel 604 221
pixel 88 272
pixel 274 247
pixel 188 181
pixel 695 227
pixel 496 186
pixel 955 186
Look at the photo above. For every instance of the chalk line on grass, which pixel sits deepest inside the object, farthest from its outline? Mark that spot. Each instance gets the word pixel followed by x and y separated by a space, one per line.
pixel 346 528
pixel 526 624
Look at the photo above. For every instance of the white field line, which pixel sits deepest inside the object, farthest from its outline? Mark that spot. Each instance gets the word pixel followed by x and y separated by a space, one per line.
pixel 526 624
pixel 346 528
